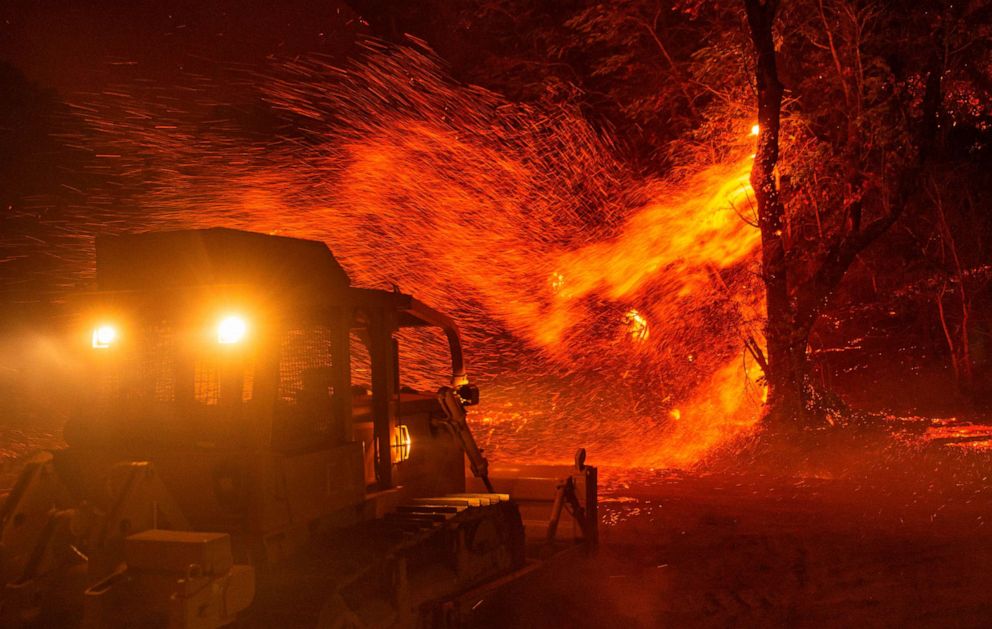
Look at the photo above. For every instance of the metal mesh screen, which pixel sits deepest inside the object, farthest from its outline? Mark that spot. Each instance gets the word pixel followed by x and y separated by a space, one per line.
pixel 206 383
pixel 303 350
pixel 361 362
pixel 144 367
pixel 160 362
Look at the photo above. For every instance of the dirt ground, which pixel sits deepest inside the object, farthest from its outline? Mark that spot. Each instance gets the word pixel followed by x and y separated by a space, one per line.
pixel 864 536
pixel 910 549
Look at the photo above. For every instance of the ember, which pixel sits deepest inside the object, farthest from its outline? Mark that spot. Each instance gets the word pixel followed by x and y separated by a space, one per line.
pixel 702 288
pixel 520 221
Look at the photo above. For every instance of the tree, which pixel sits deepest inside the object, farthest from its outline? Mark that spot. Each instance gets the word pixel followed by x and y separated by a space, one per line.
pixel 626 64
pixel 880 161
pixel 856 105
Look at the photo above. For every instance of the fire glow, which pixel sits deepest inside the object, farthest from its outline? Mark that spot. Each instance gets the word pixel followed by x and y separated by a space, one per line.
pixel 581 287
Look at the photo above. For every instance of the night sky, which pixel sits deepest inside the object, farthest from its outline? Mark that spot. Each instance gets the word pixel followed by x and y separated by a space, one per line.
pixel 84 45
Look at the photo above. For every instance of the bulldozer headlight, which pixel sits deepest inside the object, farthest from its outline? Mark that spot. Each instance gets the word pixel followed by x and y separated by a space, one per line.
pixel 231 329
pixel 104 336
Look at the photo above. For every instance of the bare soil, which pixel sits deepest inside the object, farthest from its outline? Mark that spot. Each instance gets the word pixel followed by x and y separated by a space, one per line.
pixel 909 546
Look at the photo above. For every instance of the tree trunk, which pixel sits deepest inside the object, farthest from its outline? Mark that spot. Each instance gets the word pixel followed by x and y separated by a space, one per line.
pixel 786 341
pixel 960 351
pixel 787 402
pixel 793 306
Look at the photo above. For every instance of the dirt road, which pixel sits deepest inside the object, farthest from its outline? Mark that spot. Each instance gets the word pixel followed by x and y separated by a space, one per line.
pixel 903 550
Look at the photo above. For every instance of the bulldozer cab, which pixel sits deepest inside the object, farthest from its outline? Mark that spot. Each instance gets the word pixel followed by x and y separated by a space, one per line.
pixel 218 339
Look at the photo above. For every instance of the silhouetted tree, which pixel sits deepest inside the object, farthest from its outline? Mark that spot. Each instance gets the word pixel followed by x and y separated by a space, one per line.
pixel 860 102
pixel 867 99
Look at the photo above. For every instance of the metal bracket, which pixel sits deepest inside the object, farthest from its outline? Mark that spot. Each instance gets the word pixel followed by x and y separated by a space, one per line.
pixel 455 422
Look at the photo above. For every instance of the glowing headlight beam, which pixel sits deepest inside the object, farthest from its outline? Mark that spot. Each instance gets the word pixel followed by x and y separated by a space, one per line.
pixel 232 329
pixel 104 336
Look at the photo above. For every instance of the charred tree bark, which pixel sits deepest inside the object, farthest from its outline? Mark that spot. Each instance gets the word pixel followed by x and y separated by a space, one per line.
pixel 786 351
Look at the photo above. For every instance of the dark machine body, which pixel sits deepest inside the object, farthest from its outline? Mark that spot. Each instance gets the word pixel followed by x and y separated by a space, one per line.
pixel 243 451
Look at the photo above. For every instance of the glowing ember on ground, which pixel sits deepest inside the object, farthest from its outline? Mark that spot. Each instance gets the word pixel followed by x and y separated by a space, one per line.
pixel 959 434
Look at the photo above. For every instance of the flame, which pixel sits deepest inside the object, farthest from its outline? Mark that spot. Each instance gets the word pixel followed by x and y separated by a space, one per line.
pixel 681 239
pixel 600 308
pixel 724 409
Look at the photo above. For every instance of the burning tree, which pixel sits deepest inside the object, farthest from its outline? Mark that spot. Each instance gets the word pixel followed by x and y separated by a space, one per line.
pixel 865 108
pixel 853 89
pixel 620 270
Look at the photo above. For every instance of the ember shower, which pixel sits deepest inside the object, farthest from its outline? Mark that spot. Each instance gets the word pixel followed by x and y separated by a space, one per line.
pixel 600 308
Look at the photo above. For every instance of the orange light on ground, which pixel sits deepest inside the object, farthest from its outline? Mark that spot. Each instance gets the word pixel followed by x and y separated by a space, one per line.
pixel 231 330
pixel 104 336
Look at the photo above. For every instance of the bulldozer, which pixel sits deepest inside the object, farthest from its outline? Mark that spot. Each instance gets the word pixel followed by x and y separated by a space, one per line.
pixel 241 451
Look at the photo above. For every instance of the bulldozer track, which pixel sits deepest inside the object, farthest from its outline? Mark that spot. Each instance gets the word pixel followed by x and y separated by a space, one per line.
pixel 397 570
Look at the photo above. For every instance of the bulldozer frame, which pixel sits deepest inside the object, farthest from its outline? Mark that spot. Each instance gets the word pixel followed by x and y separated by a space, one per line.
pixel 205 487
